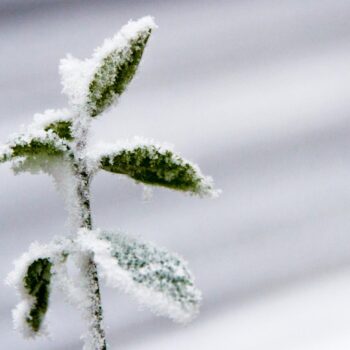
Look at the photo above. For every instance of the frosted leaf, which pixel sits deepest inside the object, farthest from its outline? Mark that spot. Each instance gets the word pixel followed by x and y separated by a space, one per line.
pixel 62 129
pixel 48 135
pixel 32 278
pixel 59 121
pixel 37 283
pixel 158 279
pixel 152 164
pixel 33 143
pixel 95 84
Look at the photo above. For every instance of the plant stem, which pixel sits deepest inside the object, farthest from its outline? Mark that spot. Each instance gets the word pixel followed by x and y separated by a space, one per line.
pixel 97 337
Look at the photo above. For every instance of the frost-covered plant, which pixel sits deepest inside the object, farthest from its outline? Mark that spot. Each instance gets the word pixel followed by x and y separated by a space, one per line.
pixel 56 143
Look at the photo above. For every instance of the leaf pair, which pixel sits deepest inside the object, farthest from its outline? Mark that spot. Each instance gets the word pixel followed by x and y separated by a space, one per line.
pixel 142 160
pixel 156 278
pixel 92 86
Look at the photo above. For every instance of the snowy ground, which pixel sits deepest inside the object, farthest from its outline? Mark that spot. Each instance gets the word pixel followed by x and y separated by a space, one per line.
pixel 257 93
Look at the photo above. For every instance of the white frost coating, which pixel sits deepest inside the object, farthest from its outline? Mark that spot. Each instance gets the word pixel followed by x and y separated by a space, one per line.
pixel 5 152
pixel 71 288
pixel 35 131
pixel 22 139
pixel 76 292
pixel 77 74
pixel 60 169
pixel 100 150
pixel 64 181
pixel 93 339
pixel 15 278
pixel 43 120
pixel 117 277
pixel 127 33
pixel 66 184
pixel 104 149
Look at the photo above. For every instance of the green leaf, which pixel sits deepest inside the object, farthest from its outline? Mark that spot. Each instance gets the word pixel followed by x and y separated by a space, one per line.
pixel 37 284
pixel 115 72
pixel 156 277
pixel 41 144
pixel 36 147
pixel 62 129
pixel 153 165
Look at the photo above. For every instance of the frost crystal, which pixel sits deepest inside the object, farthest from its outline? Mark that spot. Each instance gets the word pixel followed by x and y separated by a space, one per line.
pixel 158 279
pixel 95 84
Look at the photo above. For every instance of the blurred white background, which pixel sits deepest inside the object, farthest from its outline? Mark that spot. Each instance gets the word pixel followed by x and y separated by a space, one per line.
pixel 257 93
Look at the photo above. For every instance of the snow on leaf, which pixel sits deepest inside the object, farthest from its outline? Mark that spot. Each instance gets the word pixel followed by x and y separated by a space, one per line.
pixel 95 84
pixel 158 279
pixel 153 164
